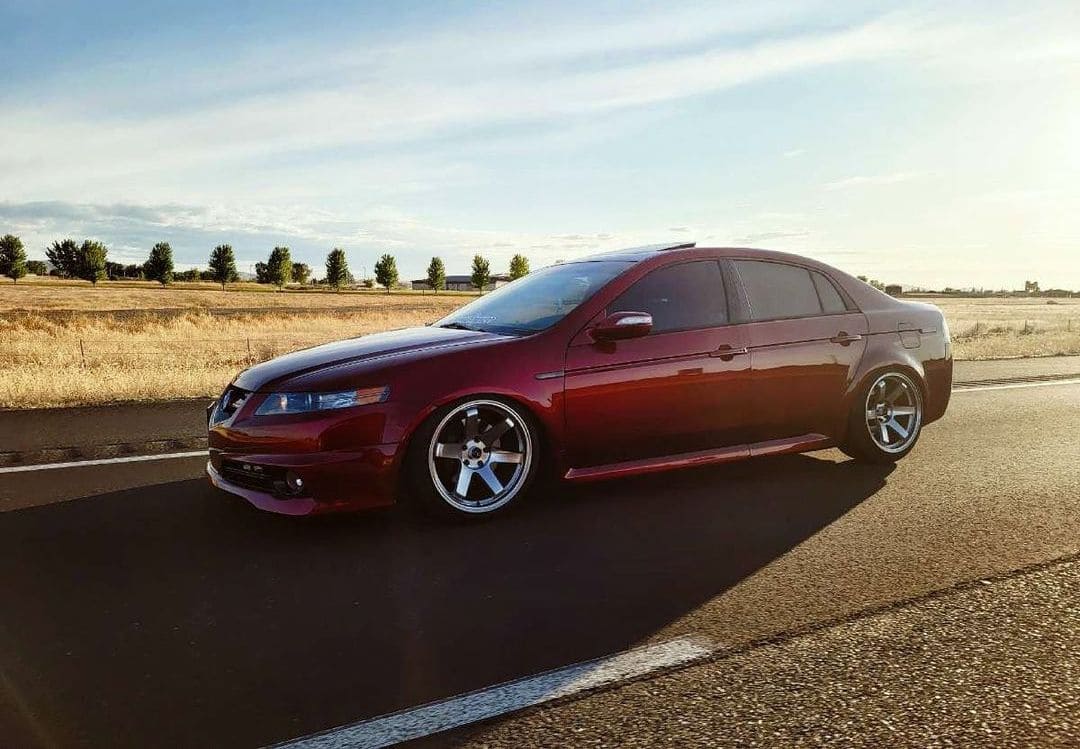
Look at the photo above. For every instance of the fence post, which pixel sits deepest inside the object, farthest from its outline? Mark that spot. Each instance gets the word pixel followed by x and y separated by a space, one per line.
pixel 249 349
pixel 82 353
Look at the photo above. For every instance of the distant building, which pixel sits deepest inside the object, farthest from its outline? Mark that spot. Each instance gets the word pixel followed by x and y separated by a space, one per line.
pixel 462 283
pixel 894 289
pixel 1031 287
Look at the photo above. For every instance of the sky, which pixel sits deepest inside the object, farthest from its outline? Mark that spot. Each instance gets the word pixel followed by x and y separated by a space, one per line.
pixel 920 143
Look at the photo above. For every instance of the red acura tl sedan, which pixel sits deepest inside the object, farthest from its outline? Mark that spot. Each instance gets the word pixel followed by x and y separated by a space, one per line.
pixel 620 363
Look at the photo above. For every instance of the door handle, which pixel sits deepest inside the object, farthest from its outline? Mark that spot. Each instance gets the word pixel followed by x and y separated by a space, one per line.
pixel 844 338
pixel 727 352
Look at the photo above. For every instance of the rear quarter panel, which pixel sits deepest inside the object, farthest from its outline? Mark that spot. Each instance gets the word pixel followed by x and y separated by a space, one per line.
pixel 910 335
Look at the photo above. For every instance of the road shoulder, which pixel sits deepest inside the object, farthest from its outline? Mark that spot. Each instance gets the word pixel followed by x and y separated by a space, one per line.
pixel 994 663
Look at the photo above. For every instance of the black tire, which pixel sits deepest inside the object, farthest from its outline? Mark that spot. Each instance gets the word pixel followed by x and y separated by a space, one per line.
pixel 424 465
pixel 895 432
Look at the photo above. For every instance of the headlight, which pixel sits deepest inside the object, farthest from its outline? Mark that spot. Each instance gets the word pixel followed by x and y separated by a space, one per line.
pixel 294 403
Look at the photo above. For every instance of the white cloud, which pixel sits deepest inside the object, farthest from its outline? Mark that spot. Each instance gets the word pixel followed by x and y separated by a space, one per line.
pixel 401 142
pixel 874 180
pixel 130 230
pixel 770 236
pixel 52 150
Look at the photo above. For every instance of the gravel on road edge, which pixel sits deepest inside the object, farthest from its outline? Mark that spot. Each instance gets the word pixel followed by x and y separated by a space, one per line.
pixel 993 664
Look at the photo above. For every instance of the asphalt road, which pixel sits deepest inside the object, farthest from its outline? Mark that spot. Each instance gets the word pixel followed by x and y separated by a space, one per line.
pixel 154 611
pixel 994 665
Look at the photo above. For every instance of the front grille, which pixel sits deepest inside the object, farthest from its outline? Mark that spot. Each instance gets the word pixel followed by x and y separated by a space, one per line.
pixel 229 404
pixel 262 478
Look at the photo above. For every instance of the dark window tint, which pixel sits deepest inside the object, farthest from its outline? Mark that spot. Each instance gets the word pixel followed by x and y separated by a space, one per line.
pixel 777 290
pixel 831 301
pixel 679 297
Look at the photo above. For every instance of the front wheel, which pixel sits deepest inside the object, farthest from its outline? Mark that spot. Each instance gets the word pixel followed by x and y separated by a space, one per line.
pixel 885 419
pixel 472 459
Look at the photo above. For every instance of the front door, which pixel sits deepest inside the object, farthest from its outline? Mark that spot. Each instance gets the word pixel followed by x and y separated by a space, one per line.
pixel 682 388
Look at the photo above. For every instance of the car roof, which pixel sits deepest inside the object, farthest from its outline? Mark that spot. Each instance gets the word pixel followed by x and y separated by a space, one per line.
pixel 637 254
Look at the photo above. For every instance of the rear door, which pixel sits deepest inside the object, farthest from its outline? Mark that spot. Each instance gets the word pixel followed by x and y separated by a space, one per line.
pixel 684 387
pixel 806 340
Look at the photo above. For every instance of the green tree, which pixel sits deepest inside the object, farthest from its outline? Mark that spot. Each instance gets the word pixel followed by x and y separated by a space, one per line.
pixel 337 269
pixel 262 273
pixel 386 272
pixel 279 267
pixel 160 265
pixel 873 282
pixel 519 266
pixel 436 274
pixel 64 256
pixel 113 270
pixel 12 257
pixel 481 272
pixel 37 267
pixel 91 261
pixel 223 265
pixel 301 272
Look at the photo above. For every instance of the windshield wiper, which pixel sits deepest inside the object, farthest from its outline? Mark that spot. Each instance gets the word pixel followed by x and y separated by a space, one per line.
pixel 511 330
pixel 457 326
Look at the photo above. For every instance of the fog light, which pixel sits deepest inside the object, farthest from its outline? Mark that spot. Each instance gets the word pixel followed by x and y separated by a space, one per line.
pixel 294 483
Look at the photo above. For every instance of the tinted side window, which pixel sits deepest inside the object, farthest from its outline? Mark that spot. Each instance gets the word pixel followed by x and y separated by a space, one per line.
pixel 831 301
pixel 776 290
pixel 679 297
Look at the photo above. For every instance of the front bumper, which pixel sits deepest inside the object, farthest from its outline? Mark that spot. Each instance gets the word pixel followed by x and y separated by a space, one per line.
pixel 263 500
pixel 335 481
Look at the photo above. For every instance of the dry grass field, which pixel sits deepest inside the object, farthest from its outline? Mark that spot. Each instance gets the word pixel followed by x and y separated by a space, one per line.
pixel 49 358
pixel 33 294
pixel 984 328
pixel 52 358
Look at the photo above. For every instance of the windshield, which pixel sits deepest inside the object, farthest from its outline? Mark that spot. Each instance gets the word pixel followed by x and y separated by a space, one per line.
pixel 537 301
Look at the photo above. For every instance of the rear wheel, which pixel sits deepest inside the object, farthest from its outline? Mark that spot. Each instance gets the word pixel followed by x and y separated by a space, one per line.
pixel 885 420
pixel 473 459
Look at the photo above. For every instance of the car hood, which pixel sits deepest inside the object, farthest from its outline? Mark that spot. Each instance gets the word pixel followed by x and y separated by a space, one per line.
pixel 281 372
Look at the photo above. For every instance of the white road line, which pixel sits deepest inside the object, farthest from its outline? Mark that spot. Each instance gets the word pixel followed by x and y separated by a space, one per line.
pixel 196 453
pixel 507 697
pixel 102 461
pixel 1015 385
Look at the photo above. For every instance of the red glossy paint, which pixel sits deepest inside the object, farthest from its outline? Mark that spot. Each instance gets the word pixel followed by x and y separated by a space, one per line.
pixel 653 401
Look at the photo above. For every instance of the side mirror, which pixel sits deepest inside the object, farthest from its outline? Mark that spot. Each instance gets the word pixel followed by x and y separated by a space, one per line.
pixel 622 325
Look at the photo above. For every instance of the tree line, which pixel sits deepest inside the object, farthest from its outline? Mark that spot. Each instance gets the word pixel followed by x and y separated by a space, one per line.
pixel 89 261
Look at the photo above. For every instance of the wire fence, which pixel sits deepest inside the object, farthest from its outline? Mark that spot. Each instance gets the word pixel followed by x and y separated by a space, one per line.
pixel 1029 327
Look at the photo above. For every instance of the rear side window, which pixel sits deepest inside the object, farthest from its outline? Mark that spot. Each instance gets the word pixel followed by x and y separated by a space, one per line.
pixel 679 297
pixel 831 301
pixel 777 290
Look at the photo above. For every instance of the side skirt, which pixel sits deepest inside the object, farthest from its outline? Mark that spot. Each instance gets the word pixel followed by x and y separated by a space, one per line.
pixel 799 444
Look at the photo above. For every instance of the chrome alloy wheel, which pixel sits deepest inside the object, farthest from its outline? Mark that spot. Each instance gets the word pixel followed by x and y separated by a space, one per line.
pixel 480 455
pixel 893 412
